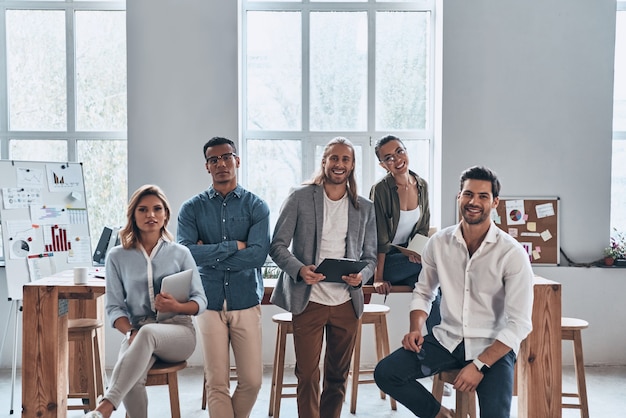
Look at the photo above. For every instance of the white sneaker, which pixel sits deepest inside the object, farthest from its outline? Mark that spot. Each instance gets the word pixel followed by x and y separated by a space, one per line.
pixel 93 414
pixel 447 389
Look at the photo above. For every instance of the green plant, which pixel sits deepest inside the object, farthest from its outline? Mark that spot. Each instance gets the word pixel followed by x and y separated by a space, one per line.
pixel 617 247
pixel 270 270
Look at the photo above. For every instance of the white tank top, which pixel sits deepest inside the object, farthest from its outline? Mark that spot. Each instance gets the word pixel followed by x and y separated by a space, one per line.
pixel 406 223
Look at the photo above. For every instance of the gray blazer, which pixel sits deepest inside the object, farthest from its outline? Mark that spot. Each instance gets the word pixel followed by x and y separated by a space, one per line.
pixel 300 225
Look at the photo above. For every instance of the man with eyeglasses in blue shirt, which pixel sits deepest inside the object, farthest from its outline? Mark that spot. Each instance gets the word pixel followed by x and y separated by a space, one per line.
pixel 227 230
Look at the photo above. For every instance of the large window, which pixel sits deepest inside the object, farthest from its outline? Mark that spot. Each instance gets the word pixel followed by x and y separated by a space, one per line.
pixel 618 184
pixel 63 94
pixel 313 70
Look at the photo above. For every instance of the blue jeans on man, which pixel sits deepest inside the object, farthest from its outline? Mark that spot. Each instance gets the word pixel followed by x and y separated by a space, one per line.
pixel 397 376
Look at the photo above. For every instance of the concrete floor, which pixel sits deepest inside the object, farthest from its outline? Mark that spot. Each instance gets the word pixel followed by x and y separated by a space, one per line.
pixel 606 388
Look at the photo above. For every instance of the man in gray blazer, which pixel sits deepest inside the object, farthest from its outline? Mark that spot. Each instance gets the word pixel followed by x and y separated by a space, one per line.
pixel 325 218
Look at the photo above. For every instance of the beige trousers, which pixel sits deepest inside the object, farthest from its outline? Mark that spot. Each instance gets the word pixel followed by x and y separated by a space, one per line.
pixel 218 331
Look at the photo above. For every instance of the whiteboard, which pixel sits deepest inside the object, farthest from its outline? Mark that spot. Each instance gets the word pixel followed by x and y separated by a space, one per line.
pixel 45 227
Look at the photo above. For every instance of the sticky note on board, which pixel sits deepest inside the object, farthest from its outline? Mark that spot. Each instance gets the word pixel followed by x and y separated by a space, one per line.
pixel 531 226
pixel 513 232
pixel 546 235
pixel 544 210
pixel 536 255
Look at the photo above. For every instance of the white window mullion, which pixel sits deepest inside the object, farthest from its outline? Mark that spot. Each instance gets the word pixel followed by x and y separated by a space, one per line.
pixel 70 48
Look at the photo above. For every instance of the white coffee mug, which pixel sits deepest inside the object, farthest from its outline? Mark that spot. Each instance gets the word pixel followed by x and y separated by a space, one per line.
pixel 80 275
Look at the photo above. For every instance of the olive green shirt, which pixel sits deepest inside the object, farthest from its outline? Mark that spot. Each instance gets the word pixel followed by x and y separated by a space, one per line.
pixel 384 194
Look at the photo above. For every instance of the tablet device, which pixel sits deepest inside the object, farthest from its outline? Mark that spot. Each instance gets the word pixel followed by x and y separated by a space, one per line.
pixel 334 268
pixel 177 285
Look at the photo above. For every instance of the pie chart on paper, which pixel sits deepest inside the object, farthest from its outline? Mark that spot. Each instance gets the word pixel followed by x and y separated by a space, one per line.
pixel 515 215
pixel 20 248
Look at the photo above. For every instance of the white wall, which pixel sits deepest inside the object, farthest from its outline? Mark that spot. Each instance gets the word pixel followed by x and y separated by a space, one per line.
pixel 527 90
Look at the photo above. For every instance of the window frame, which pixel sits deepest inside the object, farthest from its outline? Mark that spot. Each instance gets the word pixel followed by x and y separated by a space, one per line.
pixel 310 139
pixel 71 135
pixel 618 135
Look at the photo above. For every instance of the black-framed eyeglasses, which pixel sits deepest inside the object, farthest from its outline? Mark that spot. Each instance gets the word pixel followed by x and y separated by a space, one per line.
pixel 224 157
pixel 400 152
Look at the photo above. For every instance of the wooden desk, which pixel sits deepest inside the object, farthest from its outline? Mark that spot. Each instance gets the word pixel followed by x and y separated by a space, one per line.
pixel 46 308
pixel 368 290
pixel 539 360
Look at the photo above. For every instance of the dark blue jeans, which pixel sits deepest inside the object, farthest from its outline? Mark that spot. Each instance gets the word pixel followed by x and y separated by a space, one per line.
pixel 400 271
pixel 397 376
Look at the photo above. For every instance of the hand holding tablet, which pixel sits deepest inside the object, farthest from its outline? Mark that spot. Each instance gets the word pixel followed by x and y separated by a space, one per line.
pixel 334 268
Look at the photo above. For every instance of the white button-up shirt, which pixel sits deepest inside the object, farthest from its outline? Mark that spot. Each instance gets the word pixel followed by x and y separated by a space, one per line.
pixel 485 297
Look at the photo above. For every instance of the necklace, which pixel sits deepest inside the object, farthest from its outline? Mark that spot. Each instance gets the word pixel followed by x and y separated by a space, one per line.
pixel 406 186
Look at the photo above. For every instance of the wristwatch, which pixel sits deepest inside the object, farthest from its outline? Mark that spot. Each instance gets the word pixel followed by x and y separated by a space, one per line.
pixel 482 367
pixel 130 332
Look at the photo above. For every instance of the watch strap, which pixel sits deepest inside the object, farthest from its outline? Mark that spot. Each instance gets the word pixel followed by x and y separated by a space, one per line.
pixel 482 367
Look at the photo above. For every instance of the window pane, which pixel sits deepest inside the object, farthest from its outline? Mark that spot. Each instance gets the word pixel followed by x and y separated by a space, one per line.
pixel 101 70
pixel 618 186
pixel 619 109
pixel 402 44
pixel 36 70
pixel 338 71
pixel 105 171
pixel 38 150
pixel 274 67
pixel 280 162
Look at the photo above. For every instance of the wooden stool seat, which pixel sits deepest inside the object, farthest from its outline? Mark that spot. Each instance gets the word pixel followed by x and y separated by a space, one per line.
pixel 276 391
pixel 465 401
pixel 163 373
pixel 376 315
pixel 84 330
pixel 571 331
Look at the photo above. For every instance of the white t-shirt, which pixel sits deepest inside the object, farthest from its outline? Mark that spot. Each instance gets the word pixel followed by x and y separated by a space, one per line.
pixel 333 245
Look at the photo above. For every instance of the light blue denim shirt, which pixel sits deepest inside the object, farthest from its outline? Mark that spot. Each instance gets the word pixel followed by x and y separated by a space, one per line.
pixel 219 222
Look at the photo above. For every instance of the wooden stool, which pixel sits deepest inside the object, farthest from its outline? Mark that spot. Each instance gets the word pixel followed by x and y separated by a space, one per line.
pixel 465 401
pixel 376 315
pixel 570 331
pixel 233 376
pixel 276 391
pixel 162 373
pixel 89 365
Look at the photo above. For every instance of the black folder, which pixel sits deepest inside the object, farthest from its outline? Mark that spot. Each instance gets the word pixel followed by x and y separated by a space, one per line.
pixel 334 268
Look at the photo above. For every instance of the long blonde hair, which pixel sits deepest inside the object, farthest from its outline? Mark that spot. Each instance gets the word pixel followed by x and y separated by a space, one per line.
pixel 129 235
pixel 320 176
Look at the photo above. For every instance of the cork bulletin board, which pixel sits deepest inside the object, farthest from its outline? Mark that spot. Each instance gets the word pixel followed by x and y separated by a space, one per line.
pixel 534 223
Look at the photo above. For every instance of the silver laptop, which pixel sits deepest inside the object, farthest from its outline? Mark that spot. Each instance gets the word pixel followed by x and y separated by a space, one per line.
pixel 179 286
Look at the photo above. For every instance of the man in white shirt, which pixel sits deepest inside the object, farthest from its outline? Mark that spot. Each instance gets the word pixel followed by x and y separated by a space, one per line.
pixel 486 282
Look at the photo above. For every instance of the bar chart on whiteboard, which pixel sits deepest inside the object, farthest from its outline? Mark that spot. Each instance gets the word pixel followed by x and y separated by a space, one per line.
pixel 55 239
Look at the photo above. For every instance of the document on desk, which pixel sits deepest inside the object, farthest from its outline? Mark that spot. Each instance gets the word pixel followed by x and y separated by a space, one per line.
pixel 334 268
pixel 415 246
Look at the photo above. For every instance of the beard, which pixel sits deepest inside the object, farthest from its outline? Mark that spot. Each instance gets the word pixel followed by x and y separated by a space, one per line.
pixel 476 219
